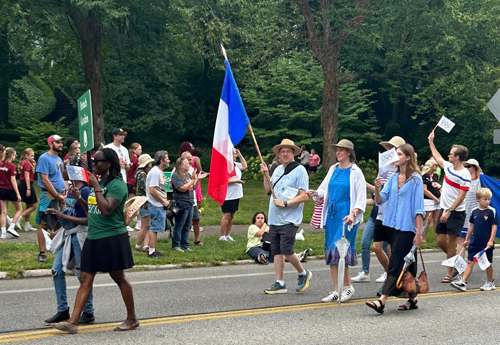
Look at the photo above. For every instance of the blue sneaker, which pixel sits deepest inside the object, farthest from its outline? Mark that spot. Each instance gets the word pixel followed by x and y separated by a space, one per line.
pixel 275 289
pixel 304 281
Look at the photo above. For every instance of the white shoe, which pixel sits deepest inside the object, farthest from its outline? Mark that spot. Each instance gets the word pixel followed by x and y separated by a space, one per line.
pixel 11 230
pixel 382 278
pixel 347 293
pixel 229 238
pixel 129 229
pixel 29 227
pixel 361 278
pixel 201 229
pixel 192 228
pixel 223 238
pixel 488 286
pixel 18 224
pixel 137 225
pixel 332 297
pixel 9 220
pixel 7 236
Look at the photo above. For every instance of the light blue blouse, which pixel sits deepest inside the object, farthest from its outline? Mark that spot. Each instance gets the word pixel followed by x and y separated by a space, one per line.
pixel 405 204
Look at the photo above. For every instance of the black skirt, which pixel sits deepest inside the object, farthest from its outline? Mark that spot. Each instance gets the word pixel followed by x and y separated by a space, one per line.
pixel 8 194
pixel 107 254
pixel 23 188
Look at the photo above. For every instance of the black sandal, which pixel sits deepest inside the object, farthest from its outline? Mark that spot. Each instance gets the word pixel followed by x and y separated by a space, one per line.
pixel 413 305
pixel 373 305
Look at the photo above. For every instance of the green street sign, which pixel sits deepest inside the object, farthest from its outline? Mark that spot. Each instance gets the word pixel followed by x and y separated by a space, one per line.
pixel 85 126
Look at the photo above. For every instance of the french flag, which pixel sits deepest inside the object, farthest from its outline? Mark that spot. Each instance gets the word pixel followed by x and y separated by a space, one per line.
pixel 230 128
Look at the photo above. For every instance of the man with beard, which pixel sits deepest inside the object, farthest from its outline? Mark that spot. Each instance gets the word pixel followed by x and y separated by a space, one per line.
pixel 50 179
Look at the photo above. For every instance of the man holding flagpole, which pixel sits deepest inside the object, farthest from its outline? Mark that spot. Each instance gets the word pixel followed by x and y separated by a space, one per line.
pixel 290 183
pixel 456 183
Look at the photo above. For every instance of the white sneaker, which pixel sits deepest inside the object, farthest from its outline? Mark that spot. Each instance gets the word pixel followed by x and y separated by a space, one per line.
pixel 347 293
pixel 192 228
pixel 7 236
pixel 382 278
pixel 137 225
pixel 460 285
pixel 229 238
pixel 201 229
pixel 9 220
pixel 129 229
pixel 361 278
pixel 488 286
pixel 332 297
pixel 223 238
pixel 18 224
pixel 28 227
pixel 11 230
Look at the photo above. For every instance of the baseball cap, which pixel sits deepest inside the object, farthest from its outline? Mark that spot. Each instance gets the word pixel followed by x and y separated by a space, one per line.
pixel 118 131
pixel 54 137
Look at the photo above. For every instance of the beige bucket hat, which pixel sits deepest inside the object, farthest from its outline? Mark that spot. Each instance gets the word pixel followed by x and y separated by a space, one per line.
pixel 287 143
pixel 394 142
pixel 348 145
pixel 144 160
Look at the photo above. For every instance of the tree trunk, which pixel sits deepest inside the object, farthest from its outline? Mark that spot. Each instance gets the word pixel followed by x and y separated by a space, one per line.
pixel 330 112
pixel 5 79
pixel 89 28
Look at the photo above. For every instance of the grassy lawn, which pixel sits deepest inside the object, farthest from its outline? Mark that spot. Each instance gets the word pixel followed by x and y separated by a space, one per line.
pixel 16 257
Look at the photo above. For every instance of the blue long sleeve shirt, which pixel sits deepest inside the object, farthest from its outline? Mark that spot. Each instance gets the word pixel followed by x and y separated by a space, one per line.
pixel 405 204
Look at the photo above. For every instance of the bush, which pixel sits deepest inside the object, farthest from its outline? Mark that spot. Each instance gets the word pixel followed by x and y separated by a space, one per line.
pixel 316 179
pixel 369 168
pixel 35 136
pixel 253 170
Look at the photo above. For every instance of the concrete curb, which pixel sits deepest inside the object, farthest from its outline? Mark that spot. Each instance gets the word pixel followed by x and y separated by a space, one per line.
pixel 48 272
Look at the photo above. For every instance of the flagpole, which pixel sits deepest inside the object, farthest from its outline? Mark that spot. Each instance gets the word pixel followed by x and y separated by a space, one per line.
pixel 266 174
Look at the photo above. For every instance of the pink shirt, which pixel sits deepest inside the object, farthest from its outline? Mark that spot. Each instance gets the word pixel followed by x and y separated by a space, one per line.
pixel 314 160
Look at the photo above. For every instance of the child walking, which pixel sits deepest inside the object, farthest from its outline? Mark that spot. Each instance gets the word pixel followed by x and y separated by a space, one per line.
pixel 481 234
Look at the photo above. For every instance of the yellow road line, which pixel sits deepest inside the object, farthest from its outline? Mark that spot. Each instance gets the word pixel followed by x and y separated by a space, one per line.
pixel 23 336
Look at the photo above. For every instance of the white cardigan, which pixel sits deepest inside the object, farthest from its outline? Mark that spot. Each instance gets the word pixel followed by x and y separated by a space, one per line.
pixel 357 194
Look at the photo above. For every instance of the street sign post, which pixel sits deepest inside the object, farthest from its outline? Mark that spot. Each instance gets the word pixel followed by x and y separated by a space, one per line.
pixel 494 106
pixel 85 125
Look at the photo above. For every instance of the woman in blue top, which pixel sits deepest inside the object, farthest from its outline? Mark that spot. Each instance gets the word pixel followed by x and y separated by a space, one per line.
pixel 404 194
pixel 344 192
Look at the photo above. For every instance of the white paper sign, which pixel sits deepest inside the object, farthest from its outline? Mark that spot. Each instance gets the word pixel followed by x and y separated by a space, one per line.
pixel 446 124
pixel 482 260
pixel 290 193
pixel 460 264
pixel 450 262
pixel 387 157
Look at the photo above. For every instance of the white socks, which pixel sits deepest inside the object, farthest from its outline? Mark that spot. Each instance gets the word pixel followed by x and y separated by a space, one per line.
pixel 4 230
pixel 303 273
pixel 151 251
pixel 281 282
pixel 137 246
pixel 138 224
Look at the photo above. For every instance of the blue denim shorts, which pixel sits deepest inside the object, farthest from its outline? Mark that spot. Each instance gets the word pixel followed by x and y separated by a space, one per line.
pixel 143 213
pixel 158 217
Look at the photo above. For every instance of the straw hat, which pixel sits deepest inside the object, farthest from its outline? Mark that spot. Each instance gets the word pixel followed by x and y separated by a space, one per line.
pixel 144 160
pixel 394 142
pixel 287 143
pixel 472 161
pixel 348 145
pixel 132 206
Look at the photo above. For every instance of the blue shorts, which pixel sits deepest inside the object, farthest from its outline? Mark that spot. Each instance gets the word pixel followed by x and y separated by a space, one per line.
pixel 463 233
pixel 143 213
pixel 473 251
pixel 158 217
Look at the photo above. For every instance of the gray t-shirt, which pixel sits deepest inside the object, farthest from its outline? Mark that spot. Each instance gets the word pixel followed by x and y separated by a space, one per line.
pixel 176 183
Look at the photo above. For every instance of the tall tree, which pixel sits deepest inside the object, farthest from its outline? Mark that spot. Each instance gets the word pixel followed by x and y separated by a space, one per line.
pixel 326 39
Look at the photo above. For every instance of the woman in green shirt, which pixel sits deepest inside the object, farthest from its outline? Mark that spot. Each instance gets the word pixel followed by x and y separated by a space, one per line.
pixel 107 247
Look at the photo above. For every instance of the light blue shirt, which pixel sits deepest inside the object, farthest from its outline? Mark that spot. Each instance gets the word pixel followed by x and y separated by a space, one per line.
pixel 405 204
pixel 53 167
pixel 287 188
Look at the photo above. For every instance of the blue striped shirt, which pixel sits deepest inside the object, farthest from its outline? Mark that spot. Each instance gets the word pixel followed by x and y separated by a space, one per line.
pixel 405 204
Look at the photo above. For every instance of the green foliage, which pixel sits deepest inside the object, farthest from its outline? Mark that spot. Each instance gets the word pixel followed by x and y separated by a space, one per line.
pixel 316 179
pixel 252 172
pixel 36 134
pixel 30 99
pixel 369 167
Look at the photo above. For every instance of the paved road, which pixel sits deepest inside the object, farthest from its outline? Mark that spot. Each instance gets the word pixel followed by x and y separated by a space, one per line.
pixel 226 305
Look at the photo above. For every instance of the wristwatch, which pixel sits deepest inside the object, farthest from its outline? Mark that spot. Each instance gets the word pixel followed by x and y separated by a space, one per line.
pixel 285 203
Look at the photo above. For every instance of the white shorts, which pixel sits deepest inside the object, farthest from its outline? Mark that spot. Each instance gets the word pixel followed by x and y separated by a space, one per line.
pixel 430 205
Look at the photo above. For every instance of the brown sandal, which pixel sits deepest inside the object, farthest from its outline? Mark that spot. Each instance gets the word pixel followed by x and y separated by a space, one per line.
pixel 198 243
pixel 447 279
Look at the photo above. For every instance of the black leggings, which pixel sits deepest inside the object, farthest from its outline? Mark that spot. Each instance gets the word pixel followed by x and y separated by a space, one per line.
pixel 401 243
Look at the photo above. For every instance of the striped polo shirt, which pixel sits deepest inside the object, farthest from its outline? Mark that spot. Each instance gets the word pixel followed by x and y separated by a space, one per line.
pixel 454 181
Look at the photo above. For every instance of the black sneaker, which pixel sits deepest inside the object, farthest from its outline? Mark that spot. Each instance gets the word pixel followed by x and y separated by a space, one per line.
pixel 60 316
pixel 42 257
pixel 86 318
pixel 156 254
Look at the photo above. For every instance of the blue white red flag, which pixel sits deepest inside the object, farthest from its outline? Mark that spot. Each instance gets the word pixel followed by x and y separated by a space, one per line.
pixel 494 185
pixel 230 128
